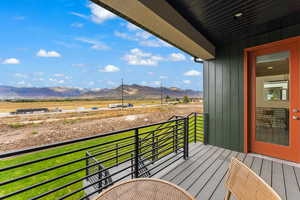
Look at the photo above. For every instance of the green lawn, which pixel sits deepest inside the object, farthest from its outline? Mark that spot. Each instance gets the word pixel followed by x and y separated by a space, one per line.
pixel 28 169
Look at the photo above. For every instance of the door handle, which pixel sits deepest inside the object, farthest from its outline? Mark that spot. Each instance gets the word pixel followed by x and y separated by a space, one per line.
pixel 296 117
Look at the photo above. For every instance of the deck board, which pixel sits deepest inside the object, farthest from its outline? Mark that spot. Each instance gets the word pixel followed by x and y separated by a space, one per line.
pixel 209 188
pixel 220 189
pixel 186 182
pixel 292 189
pixel 278 179
pixel 202 180
pixel 203 174
pixel 256 165
pixel 179 178
pixel 297 172
pixel 266 171
pixel 180 168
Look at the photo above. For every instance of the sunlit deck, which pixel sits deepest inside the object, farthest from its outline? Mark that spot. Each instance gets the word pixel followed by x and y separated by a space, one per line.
pixel 202 175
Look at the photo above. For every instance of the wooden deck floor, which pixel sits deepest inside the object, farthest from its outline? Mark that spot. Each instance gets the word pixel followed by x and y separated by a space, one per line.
pixel 203 174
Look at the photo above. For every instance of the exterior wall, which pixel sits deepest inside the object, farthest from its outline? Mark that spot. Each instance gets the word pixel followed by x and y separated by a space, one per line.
pixel 223 88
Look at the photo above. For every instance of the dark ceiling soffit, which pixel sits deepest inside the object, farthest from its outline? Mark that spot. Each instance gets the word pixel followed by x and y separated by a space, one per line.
pixel 185 27
pixel 215 19
pixel 140 25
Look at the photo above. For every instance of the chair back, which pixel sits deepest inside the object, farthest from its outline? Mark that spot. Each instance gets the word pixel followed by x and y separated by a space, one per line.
pixel 244 184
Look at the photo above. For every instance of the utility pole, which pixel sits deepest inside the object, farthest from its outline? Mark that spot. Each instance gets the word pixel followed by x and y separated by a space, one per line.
pixel 122 87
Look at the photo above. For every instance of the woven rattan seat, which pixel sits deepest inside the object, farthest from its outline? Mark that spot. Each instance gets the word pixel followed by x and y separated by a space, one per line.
pixel 244 184
pixel 144 189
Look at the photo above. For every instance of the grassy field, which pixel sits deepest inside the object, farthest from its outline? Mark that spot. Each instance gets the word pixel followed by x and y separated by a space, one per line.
pixel 14 173
pixel 68 105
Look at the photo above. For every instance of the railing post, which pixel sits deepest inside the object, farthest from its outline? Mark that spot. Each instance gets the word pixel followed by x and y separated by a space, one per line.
pixel 188 128
pixel 132 168
pixel 173 138
pixel 117 154
pixel 136 156
pixel 153 147
pixel 156 148
pixel 100 177
pixel 176 135
pixel 186 139
pixel 206 128
pixel 87 163
pixel 195 127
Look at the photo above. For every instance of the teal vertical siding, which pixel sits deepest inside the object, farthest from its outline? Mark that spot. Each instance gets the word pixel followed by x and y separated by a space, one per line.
pixel 223 88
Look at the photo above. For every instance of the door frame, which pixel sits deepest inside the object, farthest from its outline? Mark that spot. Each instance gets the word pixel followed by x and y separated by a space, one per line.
pixel 247 86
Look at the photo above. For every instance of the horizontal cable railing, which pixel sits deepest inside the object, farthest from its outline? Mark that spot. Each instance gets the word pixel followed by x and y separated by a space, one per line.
pixel 81 168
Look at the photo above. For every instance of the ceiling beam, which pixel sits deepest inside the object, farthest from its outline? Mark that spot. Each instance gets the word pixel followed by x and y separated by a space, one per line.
pixel 162 20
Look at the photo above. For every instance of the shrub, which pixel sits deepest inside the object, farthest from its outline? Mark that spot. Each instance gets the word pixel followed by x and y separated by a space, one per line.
pixel 34 132
pixel 16 125
pixel 186 99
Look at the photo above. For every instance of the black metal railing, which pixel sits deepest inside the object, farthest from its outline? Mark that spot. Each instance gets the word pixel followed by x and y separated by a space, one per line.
pixel 81 168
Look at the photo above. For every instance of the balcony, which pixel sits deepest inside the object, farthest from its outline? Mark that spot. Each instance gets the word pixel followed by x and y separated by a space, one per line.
pixel 81 168
pixel 171 150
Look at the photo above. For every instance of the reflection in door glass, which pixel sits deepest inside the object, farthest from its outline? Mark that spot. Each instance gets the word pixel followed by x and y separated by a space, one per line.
pixel 272 98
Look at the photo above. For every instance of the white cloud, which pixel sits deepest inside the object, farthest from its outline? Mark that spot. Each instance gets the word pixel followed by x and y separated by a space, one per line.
pixel 21 83
pixel 97 45
pixel 44 53
pixel 38 73
pixel 100 14
pixel 138 57
pixel 154 43
pixel 132 27
pixel 39 79
pixel 156 82
pixel 139 36
pixel 192 73
pixel 79 15
pixel 11 61
pixel 151 73
pixel 152 83
pixel 177 57
pixel 77 25
pixel 123 35
pixel 110 68
pixel 187 81
pixel 56 81
pixel 143 35
pixel 59 75
pixel 20 75
pixel 143 38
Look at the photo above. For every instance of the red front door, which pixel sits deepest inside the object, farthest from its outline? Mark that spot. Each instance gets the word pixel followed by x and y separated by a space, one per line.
pixel 275 100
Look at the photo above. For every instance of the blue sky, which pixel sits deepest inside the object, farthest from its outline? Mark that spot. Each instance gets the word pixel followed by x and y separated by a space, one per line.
pixel 79 44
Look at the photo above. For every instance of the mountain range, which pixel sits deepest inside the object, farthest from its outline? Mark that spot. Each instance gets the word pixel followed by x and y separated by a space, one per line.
pixel 129 91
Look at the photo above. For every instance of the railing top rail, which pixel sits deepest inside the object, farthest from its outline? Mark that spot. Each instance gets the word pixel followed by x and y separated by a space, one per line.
pixel 48 146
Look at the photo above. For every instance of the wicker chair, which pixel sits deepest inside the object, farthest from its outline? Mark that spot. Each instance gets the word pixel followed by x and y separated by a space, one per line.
pixel 144 189
pixel 244 184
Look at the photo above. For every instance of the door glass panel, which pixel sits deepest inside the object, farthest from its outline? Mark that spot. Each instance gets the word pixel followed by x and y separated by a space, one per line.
pixel 272 98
